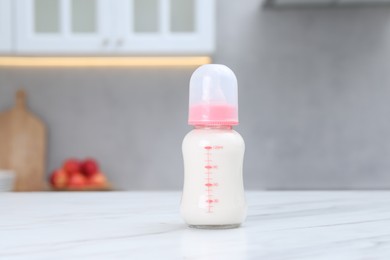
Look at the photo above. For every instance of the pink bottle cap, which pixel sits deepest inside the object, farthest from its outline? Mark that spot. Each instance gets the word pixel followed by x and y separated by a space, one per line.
pixel 213 96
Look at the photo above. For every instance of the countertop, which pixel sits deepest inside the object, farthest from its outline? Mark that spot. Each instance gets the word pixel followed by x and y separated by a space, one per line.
pixel 146 225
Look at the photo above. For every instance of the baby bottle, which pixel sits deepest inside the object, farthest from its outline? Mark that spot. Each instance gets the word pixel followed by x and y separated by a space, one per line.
pixel 213 153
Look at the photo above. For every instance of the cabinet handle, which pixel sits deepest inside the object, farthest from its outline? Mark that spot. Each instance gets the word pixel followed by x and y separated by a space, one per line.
pixel 105 42
pixel 119 42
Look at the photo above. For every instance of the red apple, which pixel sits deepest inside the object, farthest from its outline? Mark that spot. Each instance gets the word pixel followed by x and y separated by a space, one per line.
pixel 72 166
pixel 97 180
pixel 59 178
pixel 89 167
pixel 77 180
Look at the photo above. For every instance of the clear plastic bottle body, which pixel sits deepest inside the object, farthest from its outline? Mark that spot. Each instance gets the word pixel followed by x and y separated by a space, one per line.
pixel 213 192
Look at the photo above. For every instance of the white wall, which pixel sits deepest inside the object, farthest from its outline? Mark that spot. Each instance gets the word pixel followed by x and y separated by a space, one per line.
pixel 314 103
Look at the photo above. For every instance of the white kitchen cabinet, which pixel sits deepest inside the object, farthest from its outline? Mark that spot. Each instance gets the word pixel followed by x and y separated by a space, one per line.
pixel 165 26
pixel 63 26
pixel 5 26
pixel 160 27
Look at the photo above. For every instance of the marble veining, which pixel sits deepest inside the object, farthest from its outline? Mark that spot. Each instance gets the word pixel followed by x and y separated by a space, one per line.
pixel 146 225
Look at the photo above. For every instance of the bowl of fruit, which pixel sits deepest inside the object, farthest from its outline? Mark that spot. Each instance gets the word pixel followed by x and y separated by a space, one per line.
pixel 76 175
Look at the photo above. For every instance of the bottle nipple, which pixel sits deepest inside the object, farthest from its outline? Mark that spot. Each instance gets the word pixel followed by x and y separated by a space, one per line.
pixel 213 96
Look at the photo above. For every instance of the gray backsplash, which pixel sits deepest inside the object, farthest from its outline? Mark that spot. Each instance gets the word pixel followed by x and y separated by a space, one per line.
pixel 314 88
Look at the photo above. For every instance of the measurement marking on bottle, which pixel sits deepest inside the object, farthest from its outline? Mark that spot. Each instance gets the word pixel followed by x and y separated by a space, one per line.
pixel 208 168
pixel 209 182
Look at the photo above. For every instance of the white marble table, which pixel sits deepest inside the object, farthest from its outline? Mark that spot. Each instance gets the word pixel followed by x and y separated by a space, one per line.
pixel 147 225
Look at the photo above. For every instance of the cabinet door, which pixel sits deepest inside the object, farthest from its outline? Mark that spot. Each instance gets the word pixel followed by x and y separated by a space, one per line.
pixel 164 26
pixel 63 26
pixel 5 26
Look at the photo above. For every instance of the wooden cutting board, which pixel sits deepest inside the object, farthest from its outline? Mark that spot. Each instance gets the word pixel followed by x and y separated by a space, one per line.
pixel 23 145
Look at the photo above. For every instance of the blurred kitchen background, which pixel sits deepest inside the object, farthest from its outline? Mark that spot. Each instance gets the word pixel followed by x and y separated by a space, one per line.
pixel 314 86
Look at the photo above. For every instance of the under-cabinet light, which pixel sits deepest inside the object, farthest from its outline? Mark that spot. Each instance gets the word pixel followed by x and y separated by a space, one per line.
pixel 103 61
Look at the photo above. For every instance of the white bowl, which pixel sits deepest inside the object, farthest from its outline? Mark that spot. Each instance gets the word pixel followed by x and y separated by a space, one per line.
pixel 7 179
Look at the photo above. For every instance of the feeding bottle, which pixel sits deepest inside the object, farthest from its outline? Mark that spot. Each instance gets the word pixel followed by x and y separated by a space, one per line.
pixel 213 153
